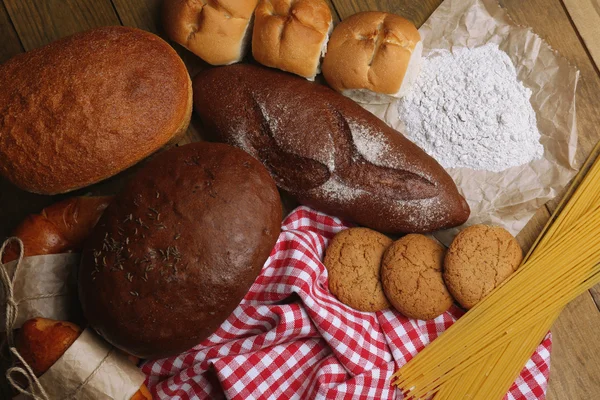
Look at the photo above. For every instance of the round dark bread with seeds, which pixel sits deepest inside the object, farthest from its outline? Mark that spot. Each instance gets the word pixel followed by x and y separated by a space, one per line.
pixel 178 249
pixel 327 151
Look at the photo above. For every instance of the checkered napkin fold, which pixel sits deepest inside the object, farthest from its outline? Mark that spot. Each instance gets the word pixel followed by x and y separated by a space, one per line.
pixel 290 338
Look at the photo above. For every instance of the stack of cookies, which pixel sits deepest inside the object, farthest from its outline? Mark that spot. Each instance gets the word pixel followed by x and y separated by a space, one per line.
pixel 415 274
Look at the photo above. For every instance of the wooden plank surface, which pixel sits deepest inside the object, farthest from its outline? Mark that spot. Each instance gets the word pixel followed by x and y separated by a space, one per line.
pixel 416 11
pixel 575 372
pixel 11 45
pixel 585 15
pixel 574 369
pixel 41 22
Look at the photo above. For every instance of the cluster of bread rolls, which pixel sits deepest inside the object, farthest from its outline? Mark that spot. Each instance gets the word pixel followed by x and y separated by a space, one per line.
pixel 290 35
pixel 372 57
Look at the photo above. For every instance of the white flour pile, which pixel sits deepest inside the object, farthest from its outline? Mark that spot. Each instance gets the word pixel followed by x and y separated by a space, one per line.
pixel 467 109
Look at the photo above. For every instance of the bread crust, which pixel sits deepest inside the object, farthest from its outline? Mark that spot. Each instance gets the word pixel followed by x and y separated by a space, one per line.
pixel 215 31
pixel 370 50
pixel 42 342
pixel 88 106
pixel 178 249
pixel 59 228
pixel 290 34
pixel 327 151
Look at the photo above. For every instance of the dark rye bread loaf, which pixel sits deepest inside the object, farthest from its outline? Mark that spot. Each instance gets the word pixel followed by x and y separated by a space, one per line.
pixel 327 151
pixel 87 106
pixel 178 248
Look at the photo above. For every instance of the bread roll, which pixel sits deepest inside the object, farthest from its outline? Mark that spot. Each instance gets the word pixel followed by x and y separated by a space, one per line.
pixel 373 57
pixel 41 342
pixel 327 151
pixel 292 35
pixel 59 228
pixel 86 107
pixel 178 249
pixel 218 32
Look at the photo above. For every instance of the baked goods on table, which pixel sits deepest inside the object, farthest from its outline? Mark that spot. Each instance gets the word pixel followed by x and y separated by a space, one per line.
pixel 479 259
pixel 353 261
pixel 181 245
pixel 59 228
pixel 292 35
pixel 411 275
pixel 373 57
pixel 327 151
pixel 42 342
pixel 218 32
pixel 178 249
pixel 87 106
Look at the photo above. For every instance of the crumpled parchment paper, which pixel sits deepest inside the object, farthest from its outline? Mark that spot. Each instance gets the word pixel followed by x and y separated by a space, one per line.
pixel 511 197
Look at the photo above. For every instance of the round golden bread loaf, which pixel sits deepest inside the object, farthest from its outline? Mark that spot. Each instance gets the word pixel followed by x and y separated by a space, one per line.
pixel 88 106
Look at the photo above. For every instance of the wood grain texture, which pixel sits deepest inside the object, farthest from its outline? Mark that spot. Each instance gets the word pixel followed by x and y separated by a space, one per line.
pixel 143 14
pixel 8 37
pixel 415 11
pixel 574 369
pixel 41 22
pixel 530 232
pixel 585 14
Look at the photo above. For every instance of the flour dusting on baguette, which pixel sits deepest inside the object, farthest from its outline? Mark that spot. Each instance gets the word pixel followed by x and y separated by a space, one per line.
pixel 327 151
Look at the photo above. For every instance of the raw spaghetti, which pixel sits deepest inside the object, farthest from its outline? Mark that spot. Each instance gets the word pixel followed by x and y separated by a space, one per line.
pixel 480 356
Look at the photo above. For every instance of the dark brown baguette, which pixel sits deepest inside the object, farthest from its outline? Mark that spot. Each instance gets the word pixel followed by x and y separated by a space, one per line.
pixel 327 151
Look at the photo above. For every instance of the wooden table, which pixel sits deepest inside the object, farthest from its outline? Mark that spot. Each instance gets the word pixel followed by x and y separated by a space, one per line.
pixel 570 26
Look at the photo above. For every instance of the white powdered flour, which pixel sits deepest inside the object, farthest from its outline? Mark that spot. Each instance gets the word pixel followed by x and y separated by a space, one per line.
pixel 468 109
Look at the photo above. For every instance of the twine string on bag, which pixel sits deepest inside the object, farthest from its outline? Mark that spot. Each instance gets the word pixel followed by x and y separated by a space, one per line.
pixel 76 391
pixel 37 391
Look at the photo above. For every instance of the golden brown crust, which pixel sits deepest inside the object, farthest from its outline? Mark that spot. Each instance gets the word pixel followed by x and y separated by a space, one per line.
pixel 213 30
pixel 411 274
pixel 353 261
pixel 86 107
pixel 289 34
pixel 370 50
pixel 479 259
pixel 142 394
pixel 59 228
pixel 41 342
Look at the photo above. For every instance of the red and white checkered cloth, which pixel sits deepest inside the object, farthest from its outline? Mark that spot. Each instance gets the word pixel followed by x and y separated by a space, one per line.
pixel 291 339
